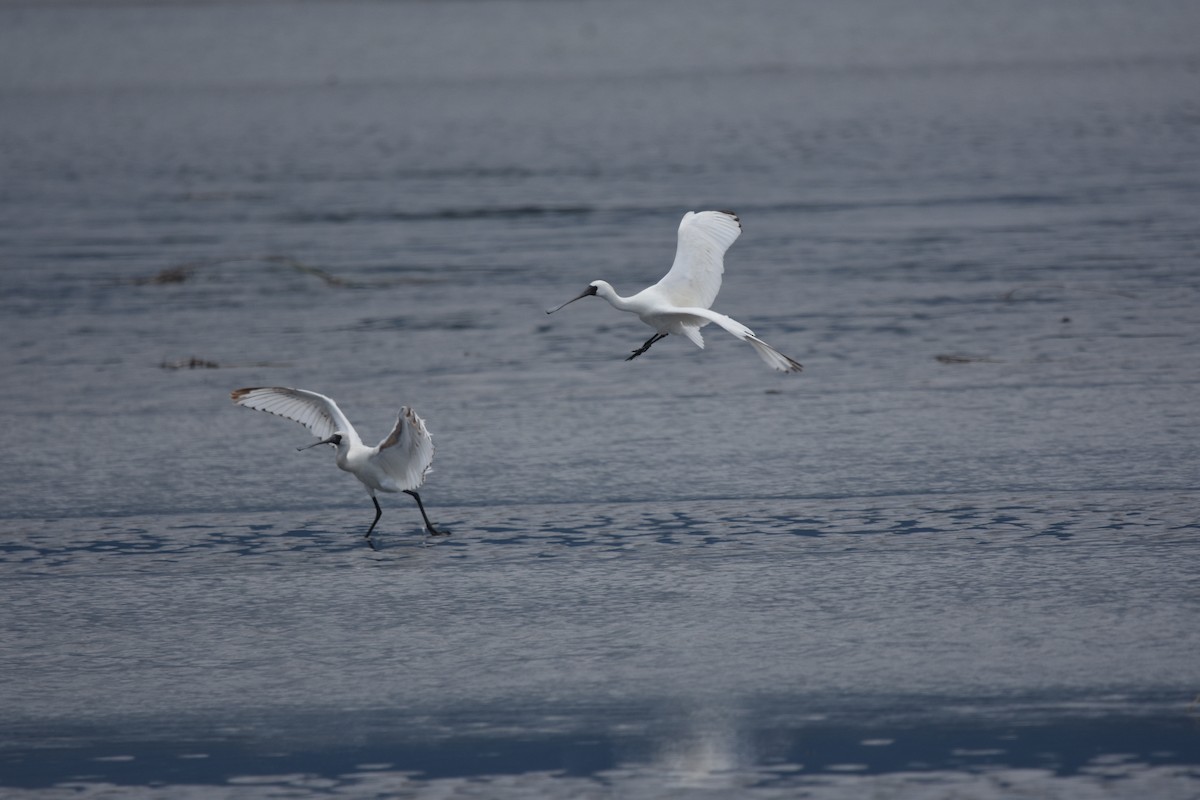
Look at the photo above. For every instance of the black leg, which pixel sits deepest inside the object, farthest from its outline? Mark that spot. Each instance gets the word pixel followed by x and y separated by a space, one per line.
pixel 428 525
pixel 646 346
pixel 378 514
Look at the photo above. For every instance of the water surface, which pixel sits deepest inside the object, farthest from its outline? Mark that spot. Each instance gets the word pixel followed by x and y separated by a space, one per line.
pixel 953 558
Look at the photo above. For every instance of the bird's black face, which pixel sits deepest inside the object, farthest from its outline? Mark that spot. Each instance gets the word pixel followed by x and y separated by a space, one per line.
pixel 588 292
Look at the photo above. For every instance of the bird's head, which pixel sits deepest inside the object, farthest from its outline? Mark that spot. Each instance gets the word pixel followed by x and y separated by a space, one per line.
pixel 591 289
pixel 334 440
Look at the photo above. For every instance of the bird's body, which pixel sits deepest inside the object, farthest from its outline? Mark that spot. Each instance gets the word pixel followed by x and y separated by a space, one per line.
pixel 681 302
pixel 399 463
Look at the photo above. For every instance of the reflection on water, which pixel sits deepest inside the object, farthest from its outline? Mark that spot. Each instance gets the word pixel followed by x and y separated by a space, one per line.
pixel 755 750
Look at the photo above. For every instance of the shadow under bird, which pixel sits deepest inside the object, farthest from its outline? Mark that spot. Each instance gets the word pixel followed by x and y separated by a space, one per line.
pixel 681 302
pixel 397 464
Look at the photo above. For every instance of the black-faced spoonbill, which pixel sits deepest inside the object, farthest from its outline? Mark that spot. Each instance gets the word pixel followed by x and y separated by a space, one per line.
pixel 397 464
pixel 680 302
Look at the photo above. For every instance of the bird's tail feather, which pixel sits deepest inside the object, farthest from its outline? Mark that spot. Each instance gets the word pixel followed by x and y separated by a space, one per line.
pixel 692 332
pixel 773 358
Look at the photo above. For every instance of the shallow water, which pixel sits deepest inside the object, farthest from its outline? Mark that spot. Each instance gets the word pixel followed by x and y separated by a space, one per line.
pixel 953 558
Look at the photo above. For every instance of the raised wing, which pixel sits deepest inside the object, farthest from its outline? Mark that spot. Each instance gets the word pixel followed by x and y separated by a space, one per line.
pixel 695 277
pixel 407 452
pixel 314 411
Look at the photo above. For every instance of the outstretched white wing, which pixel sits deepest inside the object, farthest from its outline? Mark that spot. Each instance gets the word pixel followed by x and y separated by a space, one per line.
pixel 314 411
pixel 695 277
pixel 407 452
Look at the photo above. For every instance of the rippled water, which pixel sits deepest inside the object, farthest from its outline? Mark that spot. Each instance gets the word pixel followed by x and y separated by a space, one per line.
pixel 953 558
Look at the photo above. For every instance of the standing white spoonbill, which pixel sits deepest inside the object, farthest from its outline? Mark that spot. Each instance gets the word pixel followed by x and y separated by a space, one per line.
pixel 681 302
pixel 397 464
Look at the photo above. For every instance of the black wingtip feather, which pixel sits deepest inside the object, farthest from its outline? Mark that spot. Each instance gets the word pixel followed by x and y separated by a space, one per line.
pixel 736 218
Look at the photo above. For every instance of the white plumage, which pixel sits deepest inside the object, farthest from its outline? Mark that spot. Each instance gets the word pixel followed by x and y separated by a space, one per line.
pixel 681 302
pixel 695 276
pixel 399 463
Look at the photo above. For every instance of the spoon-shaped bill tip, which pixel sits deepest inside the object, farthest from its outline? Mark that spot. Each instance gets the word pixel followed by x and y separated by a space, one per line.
pixel 588 292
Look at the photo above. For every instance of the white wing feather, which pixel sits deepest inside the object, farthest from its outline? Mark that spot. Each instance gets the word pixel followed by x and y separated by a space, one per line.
pixel 407 452
pixel 314 411
pixel 695 277
pixel 699 317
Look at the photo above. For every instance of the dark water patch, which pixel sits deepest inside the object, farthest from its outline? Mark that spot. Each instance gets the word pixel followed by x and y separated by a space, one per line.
pixel 184 273
pixel 206 363
pixel 58 549
pixel 962 358
pixel 329 768
pixel 438 215
pixel 1045 292
pixel 1058 530
pixel 461 321
pixel 956 201
pixel 907 527
pixel 765 749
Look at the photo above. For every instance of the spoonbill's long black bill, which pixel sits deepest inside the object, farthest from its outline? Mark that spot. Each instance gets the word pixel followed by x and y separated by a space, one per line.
pixel 588 292
pixel 330 440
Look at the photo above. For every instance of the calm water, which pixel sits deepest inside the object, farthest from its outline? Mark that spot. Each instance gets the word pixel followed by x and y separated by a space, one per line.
pixel 956 557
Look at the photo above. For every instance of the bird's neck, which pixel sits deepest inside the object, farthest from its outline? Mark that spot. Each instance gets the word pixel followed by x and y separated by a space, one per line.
pixel 347 444
pixel 614 299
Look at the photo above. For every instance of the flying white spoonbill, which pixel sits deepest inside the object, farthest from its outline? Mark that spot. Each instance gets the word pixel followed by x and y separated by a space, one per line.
pixel 681 302
pixel 397 464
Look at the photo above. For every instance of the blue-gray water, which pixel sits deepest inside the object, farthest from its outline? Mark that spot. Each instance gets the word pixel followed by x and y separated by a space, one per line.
pixel 956 557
